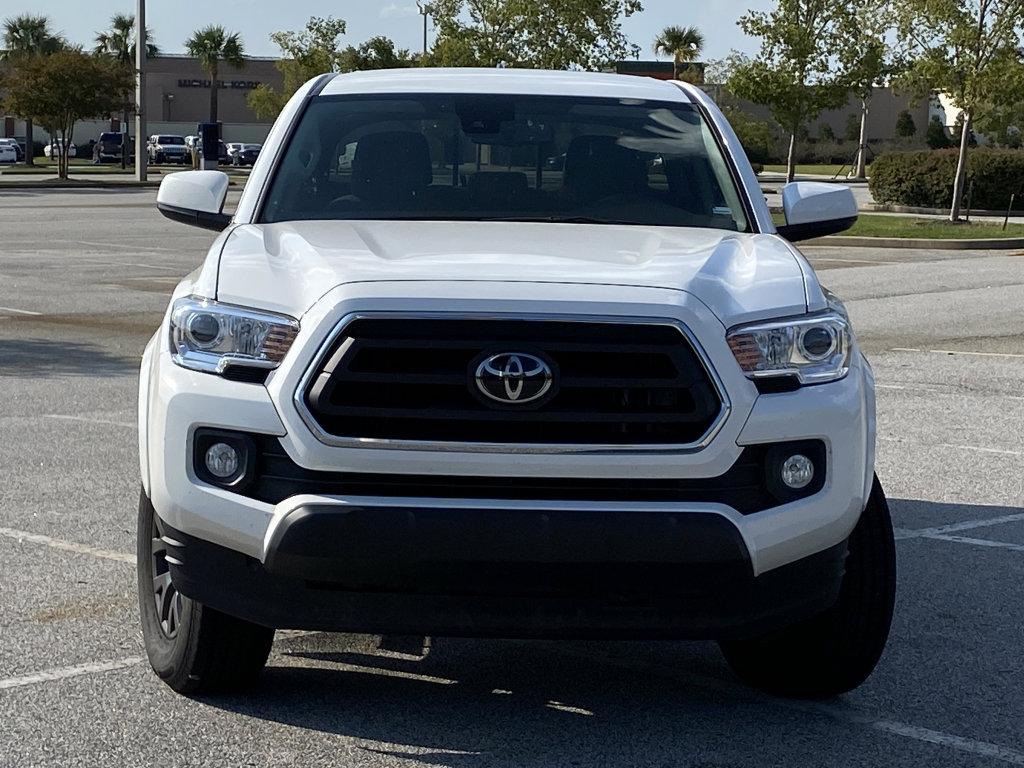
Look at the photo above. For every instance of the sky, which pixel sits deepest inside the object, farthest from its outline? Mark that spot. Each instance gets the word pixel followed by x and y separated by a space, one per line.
pixel 172 21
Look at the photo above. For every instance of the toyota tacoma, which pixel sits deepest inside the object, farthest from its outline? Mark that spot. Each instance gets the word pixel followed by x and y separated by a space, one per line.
pixel 498 353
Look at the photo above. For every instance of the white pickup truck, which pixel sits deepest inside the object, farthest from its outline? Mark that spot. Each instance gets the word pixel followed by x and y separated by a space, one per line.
pixel 534 361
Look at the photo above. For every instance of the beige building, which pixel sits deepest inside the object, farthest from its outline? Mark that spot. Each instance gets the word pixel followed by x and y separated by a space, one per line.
pixel 178 99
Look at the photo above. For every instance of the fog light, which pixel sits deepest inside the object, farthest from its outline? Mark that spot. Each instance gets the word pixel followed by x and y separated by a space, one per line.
pixel 797 471
pixel 222 460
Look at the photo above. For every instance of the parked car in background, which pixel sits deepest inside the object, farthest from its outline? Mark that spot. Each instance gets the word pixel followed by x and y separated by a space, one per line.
pixel 168 148
pixel 108 147
pixel 52 149
pixel 7 153
pixel 243 154
pixel 19 151
pixel 223 158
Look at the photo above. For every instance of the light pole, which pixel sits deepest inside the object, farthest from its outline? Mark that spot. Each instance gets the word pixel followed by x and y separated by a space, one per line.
pixel 141 156
pixel 169 100
pixel 425 10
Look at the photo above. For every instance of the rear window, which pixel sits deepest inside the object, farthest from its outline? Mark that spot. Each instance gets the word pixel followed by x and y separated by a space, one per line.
pixel 485 157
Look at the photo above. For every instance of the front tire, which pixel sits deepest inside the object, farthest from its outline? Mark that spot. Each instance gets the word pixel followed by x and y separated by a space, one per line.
pixel 836 651
pixel 192 648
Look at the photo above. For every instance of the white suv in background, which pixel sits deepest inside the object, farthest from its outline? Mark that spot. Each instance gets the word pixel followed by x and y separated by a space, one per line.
pixel 516 354
pixel 165 148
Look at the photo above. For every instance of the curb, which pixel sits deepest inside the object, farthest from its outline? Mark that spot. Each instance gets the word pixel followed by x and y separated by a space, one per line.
pixel 73 185
pixel 887 208
pixel 991 244
pixel 65 185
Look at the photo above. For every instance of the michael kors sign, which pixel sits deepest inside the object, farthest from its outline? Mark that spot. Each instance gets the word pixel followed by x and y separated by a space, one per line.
pixel 244 85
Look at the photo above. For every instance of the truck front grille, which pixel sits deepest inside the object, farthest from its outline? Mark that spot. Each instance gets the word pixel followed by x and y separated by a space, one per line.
pixel 610 383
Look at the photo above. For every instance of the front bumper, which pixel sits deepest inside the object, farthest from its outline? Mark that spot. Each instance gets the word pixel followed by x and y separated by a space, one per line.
pixel 481 572
pixel 220 526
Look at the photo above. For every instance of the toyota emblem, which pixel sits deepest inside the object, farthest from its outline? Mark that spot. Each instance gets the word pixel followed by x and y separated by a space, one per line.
pixel 514 378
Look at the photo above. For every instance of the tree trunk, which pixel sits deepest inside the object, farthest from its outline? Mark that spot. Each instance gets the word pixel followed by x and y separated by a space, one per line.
pixel 62 158
pixel 791 161
pixel 29 147
pixel 961 168
pixel 675 66
pixel 213 94
pixel 125 135
pixel 862 150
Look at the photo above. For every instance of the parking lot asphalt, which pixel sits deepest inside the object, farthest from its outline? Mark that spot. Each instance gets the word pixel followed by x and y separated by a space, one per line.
pixel 84 279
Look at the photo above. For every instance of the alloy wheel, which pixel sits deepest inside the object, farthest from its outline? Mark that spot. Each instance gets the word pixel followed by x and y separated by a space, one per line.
pixel 168 599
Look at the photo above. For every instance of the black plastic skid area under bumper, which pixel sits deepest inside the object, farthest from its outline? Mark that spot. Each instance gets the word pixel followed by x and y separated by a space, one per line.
pixel 506 573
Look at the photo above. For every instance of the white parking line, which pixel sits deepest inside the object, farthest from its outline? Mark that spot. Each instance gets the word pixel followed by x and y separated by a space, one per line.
pixel 90 420
pixel 956 352
pixel 965 525
pixel 67 546
pixel 841 713
pixel 958 447
pixel 980 542
pixel 959 743
pixel 981 449
pixel 62 673
pixel 20 311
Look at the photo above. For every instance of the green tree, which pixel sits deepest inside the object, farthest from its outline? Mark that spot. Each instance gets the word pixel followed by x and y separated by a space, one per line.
pixel 968 49
pixel 540 34
pixel 304 55
pixel 935 136
pixel 62 88
pixel 23 36
pixel 906 128
pixel 683 44
pixel 793 73
pixel 118 42
pixel 718 72
pixel 851 132
pixel 825 133
pixel 376 53
pixel 213 45
pixel 865 59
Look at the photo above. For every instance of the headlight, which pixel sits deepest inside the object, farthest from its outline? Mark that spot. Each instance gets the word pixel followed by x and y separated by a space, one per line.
pixel 207 336
pixel 813 351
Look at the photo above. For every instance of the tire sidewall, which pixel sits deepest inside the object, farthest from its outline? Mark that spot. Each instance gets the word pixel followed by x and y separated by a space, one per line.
pixel 166 655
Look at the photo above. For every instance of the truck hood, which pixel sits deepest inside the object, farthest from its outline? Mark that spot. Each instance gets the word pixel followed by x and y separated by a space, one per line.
pixel 287 267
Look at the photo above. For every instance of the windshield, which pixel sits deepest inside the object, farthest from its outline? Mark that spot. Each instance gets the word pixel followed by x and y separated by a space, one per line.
pixel 110 137
pixel 170 140
pixel 483 157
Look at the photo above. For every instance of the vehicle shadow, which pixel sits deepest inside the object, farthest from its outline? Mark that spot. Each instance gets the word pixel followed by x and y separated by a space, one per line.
pixel 41 358
pixel 471 703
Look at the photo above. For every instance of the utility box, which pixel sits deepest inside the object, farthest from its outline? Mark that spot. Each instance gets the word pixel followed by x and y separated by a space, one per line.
pixel 209 135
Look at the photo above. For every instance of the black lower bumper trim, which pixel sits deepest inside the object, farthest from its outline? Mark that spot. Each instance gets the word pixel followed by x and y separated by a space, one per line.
pixel 506 573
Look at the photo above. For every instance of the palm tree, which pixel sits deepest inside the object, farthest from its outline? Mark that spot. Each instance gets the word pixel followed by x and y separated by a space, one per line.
pixel 683 44
pixel 29 35
pixel 118 42
pixel 212 45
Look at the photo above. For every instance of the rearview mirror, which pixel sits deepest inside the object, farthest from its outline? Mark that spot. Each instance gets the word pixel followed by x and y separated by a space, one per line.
pixel 195 198
pixel 815 209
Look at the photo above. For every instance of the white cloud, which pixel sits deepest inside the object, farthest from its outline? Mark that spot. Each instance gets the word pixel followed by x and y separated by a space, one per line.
pixel 398 10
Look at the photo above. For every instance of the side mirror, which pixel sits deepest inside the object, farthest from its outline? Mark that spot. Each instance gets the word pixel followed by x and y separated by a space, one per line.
pixel 195 198
pixel 815 209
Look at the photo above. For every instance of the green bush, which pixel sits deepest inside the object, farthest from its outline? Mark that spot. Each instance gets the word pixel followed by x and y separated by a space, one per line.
pixel 936 136
pixel 925 179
